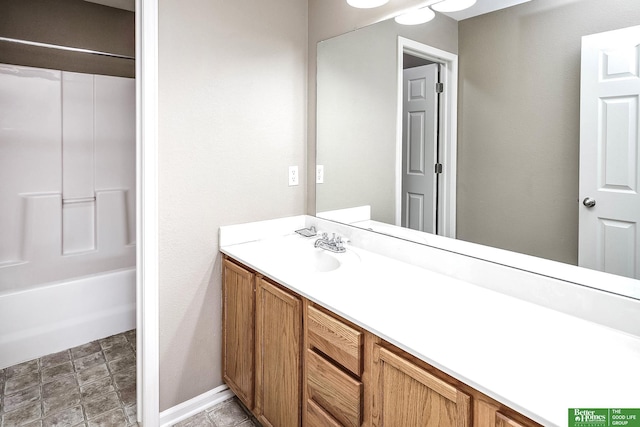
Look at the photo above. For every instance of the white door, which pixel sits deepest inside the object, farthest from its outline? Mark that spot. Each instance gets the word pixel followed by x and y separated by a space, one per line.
pixel 609 238
pixel 419 148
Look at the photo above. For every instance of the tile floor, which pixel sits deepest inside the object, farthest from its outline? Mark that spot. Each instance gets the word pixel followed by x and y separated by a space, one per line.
pixel 229 413
pixel 90 385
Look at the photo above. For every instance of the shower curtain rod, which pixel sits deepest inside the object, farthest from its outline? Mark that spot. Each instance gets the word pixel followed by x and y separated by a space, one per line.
pixel 67 48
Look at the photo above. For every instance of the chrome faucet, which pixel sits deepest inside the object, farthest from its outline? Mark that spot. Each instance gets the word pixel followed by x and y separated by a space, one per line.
pixel 334 244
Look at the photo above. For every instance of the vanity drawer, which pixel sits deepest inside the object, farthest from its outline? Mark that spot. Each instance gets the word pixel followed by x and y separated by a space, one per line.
pixel 334 338
pixel 335 391
pixel 318 417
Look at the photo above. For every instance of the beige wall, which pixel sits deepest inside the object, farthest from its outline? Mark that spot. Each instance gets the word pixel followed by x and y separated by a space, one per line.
pixel 518 116
pixel 74 23
pixel 232 119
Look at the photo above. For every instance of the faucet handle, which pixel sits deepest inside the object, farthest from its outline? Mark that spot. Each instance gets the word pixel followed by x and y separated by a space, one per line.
pixel 325 236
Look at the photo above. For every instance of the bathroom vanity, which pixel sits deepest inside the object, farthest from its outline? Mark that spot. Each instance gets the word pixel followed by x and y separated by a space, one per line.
pixel 314 338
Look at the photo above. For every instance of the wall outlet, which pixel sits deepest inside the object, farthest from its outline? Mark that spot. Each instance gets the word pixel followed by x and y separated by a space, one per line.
pixel 293 176
pixel 319 174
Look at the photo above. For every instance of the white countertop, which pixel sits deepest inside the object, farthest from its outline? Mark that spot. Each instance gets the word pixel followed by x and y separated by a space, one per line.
pixel 535 360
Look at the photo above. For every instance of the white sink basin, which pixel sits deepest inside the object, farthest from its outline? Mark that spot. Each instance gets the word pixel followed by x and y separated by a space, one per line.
pixel 320 261
pixel 295 253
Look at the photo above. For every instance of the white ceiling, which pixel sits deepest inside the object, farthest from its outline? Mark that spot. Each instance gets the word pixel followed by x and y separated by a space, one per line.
pixel 118 4
pixel 483 6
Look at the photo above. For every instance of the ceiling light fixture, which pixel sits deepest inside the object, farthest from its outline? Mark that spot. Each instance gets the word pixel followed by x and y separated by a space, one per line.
pixel 366 4
pixel 415 17
pixel 453 5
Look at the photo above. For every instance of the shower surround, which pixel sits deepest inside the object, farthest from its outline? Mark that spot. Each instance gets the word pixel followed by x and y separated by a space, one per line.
pixel 67 209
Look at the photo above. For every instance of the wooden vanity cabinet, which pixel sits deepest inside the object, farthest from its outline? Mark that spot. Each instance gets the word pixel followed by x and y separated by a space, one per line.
pixel 488 414
pixel 315 416
pixel 278 359
pixel 504 421
pixel 292 363
pixel 334 367
pixel 335 338
pixel 238 330
pixel 406 395
pixel 408 391
pixel 262 343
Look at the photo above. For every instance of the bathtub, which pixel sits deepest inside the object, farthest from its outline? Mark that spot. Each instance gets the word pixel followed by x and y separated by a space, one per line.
pixel 60 315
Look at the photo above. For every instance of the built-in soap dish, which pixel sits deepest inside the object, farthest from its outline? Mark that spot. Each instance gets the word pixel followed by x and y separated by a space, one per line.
pixel 307 232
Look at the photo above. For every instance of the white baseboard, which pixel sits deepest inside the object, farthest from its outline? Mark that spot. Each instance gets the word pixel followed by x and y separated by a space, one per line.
pixel 191 407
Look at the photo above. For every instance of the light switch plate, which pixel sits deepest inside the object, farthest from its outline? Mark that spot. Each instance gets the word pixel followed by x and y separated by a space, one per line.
pixel 319 174
pixel 293 176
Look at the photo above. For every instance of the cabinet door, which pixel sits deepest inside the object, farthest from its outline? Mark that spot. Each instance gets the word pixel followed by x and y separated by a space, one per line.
pixel 504 421
pixel 406 395
pixel 488 414
pixel 238 317
pixel 278 340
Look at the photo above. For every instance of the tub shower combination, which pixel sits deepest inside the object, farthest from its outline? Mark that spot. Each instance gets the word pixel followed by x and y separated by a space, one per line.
pixel 67 210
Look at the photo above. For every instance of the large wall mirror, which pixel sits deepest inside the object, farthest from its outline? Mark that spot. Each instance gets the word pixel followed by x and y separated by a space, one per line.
pixel 517 129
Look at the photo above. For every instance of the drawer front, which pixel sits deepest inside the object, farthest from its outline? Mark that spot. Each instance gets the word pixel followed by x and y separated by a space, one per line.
pixel 317 417
pixel 336 392
pixel 337 340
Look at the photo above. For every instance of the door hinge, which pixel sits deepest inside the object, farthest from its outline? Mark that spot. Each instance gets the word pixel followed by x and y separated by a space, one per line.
pixel 439 87
pixel 438 168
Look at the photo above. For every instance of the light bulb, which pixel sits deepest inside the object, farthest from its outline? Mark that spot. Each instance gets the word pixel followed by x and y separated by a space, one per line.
pixel 419 16
pixel 453 5
pixel 366 4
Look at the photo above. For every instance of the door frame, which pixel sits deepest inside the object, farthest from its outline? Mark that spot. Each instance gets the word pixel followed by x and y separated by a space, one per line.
pixel 448 121
pixel 147 277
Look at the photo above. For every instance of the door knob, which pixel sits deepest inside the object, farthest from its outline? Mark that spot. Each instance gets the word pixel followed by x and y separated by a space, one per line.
pixel 589 202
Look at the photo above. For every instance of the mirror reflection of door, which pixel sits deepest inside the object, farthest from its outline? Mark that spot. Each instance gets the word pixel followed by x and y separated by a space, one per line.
pixel 609 239
pixel 420 147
